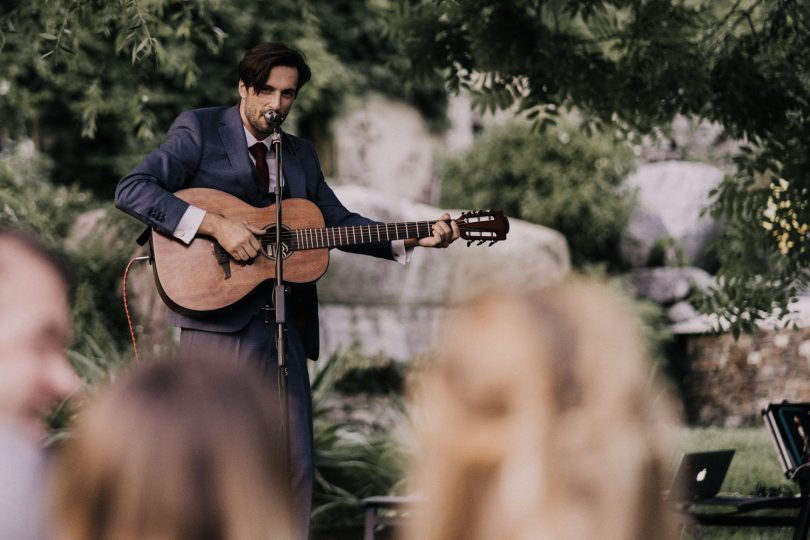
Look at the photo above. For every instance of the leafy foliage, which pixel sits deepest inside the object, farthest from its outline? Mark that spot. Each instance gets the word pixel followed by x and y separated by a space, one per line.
pixel 557 177
pixel 354 459
pixel 637 64
pixel 95 84
pixel 31 203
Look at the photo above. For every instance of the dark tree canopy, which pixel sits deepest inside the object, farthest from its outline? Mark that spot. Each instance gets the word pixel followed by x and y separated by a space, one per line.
pixel 97 83
pixel 636 64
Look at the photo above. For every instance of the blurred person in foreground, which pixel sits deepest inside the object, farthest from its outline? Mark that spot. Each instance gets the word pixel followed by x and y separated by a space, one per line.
pixel 35 329
pixel 539 421
pixel 178 449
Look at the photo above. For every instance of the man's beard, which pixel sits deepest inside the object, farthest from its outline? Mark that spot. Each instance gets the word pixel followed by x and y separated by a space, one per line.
pixel 255 118
pixel 258 128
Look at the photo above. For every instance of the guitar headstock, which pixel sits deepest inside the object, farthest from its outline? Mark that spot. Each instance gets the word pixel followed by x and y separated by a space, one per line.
pixel 483 226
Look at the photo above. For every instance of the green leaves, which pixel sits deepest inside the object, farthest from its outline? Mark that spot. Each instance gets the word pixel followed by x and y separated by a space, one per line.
pixel 355 458
pixel 28 201
pixel 558 177
pixel 635 66
pixel 75 70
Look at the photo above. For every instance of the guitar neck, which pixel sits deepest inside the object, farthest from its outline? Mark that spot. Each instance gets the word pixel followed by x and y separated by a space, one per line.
pixel 329 237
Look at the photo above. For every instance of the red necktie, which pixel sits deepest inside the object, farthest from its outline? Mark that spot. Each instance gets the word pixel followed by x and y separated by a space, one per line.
pixel 259 152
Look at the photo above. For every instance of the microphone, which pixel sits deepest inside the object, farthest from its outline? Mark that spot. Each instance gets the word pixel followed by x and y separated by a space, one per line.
pixel 273 119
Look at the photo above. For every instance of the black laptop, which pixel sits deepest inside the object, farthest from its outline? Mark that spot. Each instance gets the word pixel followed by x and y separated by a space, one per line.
pixel 700 475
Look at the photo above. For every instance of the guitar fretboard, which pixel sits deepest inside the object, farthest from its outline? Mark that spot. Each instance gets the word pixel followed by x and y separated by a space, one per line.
pixel 329 237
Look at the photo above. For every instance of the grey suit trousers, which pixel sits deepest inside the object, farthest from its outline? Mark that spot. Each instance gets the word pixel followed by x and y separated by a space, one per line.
pixel 256 344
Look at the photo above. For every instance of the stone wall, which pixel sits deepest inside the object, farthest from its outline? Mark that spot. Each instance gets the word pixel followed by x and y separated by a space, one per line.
pixel 727 382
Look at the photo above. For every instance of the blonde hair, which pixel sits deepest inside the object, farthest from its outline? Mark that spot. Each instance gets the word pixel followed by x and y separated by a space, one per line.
pixel 539 421
pixel 177 449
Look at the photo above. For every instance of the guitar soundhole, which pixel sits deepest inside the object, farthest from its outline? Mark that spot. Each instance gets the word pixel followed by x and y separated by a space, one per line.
pixel 269 246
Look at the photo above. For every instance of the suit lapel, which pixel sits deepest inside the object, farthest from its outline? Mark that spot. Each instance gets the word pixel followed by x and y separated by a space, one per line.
pixel 232 134
pixel 293 171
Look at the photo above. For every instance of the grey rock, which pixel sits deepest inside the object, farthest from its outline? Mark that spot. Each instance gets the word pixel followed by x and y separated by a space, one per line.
pixel 396 309
pixel 84 227
pixel 682 311
pixel 666 285
pixel 385 144
pixel 689 139
pixel 639 239
pixel 675 193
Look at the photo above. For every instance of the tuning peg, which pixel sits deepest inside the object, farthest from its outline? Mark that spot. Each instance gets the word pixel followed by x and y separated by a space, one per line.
pixel 492 243
pixel 469 243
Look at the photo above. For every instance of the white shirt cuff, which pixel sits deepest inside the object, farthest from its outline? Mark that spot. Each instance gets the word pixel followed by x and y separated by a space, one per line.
pixel 189 223
pixel 402 254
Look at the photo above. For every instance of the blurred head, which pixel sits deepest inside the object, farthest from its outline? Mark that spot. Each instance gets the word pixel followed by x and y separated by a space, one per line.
pixel 539 421
pixel 35 330
pixel 183 449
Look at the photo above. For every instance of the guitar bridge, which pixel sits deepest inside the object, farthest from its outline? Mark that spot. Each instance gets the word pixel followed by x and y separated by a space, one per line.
pixel 223 258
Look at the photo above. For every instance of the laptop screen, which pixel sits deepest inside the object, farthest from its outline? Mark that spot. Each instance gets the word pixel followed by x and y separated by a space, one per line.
pixel 789 424
pixel 700 474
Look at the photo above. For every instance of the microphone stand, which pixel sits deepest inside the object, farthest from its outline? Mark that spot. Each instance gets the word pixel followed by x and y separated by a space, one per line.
pixel 279 299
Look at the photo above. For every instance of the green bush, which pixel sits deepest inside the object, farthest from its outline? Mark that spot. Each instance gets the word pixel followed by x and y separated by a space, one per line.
pixel 96 262
pixel 558 177
pixel 357 453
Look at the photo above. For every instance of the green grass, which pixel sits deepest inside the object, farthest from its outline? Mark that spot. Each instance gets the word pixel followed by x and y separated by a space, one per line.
pixel 755 470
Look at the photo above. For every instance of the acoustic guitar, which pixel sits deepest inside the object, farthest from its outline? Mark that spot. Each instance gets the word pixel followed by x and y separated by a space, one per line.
pixel 202 277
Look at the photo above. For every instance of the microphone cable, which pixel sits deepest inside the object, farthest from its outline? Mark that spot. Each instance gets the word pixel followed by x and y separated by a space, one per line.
pixel 126 305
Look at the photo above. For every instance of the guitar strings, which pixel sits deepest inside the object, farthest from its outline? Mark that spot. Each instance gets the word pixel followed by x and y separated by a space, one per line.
pixel 349 232
pixel 336 236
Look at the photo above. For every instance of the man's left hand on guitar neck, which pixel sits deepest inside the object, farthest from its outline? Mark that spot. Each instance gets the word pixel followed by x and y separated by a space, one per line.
pixel 445 232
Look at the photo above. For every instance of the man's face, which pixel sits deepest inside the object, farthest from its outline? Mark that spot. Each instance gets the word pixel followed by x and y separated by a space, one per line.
pixel 277 95
pixel 35 329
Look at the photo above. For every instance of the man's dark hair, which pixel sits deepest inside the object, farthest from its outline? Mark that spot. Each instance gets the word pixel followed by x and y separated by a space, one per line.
pixel 256 65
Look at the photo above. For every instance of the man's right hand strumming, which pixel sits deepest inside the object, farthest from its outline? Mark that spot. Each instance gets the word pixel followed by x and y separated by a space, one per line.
pixel 236 237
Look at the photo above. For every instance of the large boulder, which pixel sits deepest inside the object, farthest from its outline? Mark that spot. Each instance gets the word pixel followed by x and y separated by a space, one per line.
pixel 396 309
pixel 670 198
pixel 385 144
pixel 689 138
pixel 671 288
pixel 666 285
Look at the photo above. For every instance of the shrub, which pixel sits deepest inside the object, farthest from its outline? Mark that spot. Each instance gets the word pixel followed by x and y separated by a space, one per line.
pixel 30 202
pixel 559 177
pixel 356 455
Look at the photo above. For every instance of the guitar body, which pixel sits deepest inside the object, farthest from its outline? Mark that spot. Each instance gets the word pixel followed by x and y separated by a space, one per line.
pixel 190 277
pixel 201 277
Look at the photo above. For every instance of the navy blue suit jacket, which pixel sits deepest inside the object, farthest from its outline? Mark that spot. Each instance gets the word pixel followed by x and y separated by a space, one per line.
pixel 207 148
